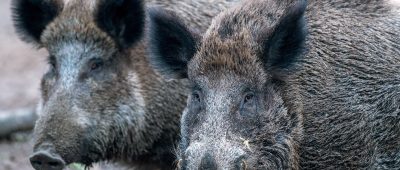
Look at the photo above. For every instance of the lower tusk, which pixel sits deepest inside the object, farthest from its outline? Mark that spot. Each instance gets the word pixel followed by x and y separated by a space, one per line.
pixel 244 165
pixel 179 164
pixel 246 143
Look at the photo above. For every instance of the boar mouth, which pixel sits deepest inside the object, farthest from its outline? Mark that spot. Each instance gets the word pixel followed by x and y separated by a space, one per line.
pixel 87 159
pixel 90 158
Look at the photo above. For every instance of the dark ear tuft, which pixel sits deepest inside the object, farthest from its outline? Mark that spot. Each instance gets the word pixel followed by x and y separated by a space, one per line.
pixel 171 45
pixel 32 16
pixel 286 44
pixel 123 20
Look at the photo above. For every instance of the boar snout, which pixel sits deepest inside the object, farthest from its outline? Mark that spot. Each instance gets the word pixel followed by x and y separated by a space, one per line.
pixel 45 158
pixel 208 162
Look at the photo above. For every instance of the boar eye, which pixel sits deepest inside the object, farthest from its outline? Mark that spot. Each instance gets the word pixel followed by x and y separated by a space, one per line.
pixel 248 98
pixel 196 96
pixel 248 104
pixel 95 64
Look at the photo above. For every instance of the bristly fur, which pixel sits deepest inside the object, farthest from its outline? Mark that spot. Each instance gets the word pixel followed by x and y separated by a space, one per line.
pixel 32 16
pixel 121 19
pixel 339 109
pixel 167 35
pixel 280 57
pixel 122 111
pixel 282 33
pixel 286 45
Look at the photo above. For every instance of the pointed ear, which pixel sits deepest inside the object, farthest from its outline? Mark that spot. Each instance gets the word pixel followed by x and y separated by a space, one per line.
pixel 32 16
pixel 285 45
pixel 171 44
pixel 123 20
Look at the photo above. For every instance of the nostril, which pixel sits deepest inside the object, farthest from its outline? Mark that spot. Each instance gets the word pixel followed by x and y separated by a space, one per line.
pixel 36 163
pixel 208 162
pixel 42 160
pixel 54 164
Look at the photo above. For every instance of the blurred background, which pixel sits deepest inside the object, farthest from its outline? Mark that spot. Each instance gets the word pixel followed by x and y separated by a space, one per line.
pixel 21 67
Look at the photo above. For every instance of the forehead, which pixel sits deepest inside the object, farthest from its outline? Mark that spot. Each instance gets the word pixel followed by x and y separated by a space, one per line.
pixel 232 43
pixel 74 52
pixel 234 59
pixel 75 25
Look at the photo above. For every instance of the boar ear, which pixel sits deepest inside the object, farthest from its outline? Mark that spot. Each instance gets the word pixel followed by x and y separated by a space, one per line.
pixel 286 43
pixel 171 45
pixel 32 16
pixel 123 20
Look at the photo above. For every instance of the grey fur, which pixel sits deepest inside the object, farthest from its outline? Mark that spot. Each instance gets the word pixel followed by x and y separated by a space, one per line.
pixel 336 107
pixel 124 112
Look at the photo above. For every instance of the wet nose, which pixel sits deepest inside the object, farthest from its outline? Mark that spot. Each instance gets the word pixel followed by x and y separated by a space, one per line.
pixel 43 160
pixel 208 162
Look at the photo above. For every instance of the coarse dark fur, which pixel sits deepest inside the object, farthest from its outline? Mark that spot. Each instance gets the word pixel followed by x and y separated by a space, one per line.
pixel 101 100
pixel 276 85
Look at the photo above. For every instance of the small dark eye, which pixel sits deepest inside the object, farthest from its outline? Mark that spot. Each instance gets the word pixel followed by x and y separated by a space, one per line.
pixel 196 96
pixel 248 98
pixel 96 65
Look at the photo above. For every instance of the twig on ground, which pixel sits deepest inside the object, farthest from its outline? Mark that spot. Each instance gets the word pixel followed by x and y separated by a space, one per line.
pixel 17 120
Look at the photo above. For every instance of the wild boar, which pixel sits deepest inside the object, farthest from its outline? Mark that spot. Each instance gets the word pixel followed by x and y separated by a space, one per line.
pixel 279 85
pixel 101 100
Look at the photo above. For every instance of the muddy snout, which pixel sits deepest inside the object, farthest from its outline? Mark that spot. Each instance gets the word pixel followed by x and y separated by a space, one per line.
pixel 45 158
